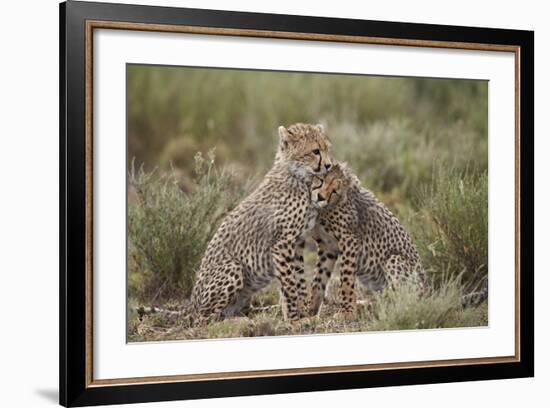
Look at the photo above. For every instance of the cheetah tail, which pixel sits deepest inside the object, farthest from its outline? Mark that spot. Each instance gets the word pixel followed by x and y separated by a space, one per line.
pixel 184 311
pixel 475 298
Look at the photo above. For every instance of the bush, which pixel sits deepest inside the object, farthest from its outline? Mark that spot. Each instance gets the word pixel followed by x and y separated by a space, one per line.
pixel 169 228
pixel 452 227
pixel 406 307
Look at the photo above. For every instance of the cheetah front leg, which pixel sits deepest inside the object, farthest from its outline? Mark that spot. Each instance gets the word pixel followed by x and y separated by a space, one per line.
pixel 348 270
pixel 284 262
pixel 327 254
pixel 300 276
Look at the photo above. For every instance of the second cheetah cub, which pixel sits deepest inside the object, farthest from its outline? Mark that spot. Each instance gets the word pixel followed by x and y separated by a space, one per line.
pixel 367 239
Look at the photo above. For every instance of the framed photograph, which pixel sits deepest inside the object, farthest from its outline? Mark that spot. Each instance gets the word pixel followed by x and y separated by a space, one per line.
pixel 256 203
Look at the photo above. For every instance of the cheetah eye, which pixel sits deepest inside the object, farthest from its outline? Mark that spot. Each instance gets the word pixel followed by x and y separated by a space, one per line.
pixel 319 185
pixel 334 194
pixel 316 151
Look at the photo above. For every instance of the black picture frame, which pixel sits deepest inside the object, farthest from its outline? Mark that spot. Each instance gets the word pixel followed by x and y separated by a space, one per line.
pixel 75 389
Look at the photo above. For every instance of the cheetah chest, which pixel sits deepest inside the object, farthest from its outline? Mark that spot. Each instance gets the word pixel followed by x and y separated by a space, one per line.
pixel 311 219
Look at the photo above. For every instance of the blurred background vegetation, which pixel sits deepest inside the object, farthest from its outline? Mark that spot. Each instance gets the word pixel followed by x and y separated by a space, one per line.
pixel 419 144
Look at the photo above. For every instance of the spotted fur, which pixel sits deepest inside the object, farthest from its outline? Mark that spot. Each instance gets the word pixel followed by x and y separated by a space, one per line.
pixel 369 242
pixel 262 238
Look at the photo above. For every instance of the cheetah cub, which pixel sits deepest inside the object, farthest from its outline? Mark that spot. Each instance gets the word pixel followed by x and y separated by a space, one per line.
pixel 367 239
pixel 258 240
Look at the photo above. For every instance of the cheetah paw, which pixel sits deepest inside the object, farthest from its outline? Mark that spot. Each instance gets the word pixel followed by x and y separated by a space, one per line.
pixel 344 315
pixel 302 322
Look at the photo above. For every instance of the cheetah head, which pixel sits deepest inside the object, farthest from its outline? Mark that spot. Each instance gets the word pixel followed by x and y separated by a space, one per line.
pixel 306 148
pixel 331 188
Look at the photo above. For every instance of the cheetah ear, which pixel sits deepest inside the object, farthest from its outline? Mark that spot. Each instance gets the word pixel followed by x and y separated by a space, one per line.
pixel 321 128
pixel 344 169
pixel 347 182
pixel 338 166
pixel 283 133
pixel 284 136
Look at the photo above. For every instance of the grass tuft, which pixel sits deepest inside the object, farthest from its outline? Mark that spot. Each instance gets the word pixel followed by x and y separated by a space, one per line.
pixel 452 226
pixel 169 228
pixel 407 308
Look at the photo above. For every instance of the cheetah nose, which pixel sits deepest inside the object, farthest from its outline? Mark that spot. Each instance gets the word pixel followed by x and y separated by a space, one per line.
pixel 328 166
pixel 320 197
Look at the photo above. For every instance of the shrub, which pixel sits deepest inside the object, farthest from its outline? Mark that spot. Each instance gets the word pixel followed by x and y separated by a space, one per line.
pixel 169 228
pixel 452 227
pixel 406 308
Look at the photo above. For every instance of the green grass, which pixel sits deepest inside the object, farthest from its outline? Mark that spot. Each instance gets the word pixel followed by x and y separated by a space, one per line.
pixel 390 129
pixel 451 227
pixel 419 144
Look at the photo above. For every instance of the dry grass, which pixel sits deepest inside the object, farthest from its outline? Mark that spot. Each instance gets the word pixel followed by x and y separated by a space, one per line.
pixel 401 310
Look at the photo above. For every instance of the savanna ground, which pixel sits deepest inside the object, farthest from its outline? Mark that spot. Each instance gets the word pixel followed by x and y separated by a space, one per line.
pixel 199 140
